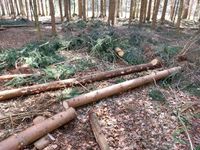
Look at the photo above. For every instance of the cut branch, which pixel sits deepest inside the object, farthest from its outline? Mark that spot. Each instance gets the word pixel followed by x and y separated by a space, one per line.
pixel 31 134
pixel 118 88
pixel 35 89
pixel 96 128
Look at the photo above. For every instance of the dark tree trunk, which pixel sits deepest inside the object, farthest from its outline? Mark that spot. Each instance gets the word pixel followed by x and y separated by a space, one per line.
pixel 53 20
pixel 164 11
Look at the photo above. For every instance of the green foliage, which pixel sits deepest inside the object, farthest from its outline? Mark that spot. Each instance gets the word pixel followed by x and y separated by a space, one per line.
pixel 133 56
pixel 95 23
pixel 135 39
pixel 59 72
pixel 68 93
pixel 167 52
pixel 193 88
pixel 171 80
pixel 156 95
pixel 119 80
pixel 74 43
pixel 20 21
pixel 82 64
pixel 38 55
pixel 104 48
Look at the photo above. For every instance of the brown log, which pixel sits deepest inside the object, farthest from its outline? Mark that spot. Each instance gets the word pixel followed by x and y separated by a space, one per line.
pixel 11 76
pixel 8 94
pixel 118 88
pixel 31 134
pixel 96 128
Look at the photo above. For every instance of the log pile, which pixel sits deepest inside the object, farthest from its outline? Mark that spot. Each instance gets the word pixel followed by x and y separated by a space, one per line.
pixel 42 128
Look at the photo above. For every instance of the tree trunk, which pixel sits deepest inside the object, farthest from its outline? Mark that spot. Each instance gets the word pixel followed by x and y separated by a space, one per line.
pixel 7 7
pixel 12 9
pixel 98 133
pixel 84 10
pixel 21 5
pixel 31 134
pixel 131 12
pixel 176 6
pixel 92 8
pixel 185 9
pixel 164 11
pixel 172 6
pixel 101 8
pixel 66 6
pixel 37 25
pixel 31 9
pixel 104 8
pixel 155 13
pixel 53 20
pixel 149 10
pixel 46 7
pixel 69 8
pixel 2 8
pixel 190 9
pixel 96 95
pixel 38 5
pixel 17 8
pixel 61 11
pixel 34 89
pixel 80 9
pixel 144 11
pixel 27 9
pixel 42 7
pixel 111 17
pixel 179 15
pixel 118 8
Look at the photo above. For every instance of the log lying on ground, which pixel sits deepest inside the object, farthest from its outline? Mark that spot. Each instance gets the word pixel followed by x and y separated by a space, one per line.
pixel 11 76
pixel 96 128
pixel 31 134
pixel 35 89
pixel 1 29
pixel 117 88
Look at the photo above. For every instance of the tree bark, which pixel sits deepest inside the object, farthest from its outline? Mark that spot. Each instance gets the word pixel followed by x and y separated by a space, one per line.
pixel 96 128
pixel 61 11
pixel 185 9
pixel 155 13
pixel 118 88
pixel 35 89
pixel 179 15
pixel 104 8
pixel 131 12
pixel 2 8
pixel 111 17
pixel 11 76
pixel 37 25
pixel 101 8
pixel 164 11
pixel 27 9
pixel 84 10
pixel 53 20
pixel 92 8
pixel 31 134
pixel 172 9
pixel 80 9
pixel 42 7
pixel 12 11
pixel 149 10
pixel 21 5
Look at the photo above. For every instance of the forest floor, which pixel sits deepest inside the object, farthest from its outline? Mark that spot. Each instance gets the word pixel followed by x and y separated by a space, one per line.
pixel 136 119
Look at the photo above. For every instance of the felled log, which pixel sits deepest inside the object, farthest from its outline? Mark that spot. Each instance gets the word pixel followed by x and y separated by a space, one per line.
pixel 118 88
pixel 45 140
pixel 96 128
pixel 1 29
pixel 8 94
pixel 31 134
pixel 11 76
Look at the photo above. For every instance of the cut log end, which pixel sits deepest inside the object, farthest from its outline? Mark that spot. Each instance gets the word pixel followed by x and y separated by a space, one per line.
pixel 156 62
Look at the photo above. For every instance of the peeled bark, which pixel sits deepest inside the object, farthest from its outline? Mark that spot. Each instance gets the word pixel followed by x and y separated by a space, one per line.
pixel 118 88
pixel 35 89
pixel 11 76
pixel 31 134
pixel 96 128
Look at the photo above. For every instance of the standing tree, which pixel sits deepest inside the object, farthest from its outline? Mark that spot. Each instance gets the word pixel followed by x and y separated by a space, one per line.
pixel 61 11
pixel 16 6
pixel 37 25
pixel 84 10
pixel 27 9
pixel 21 5
pixel 111 17
pixel 172 6
pixel 118 8
pixel 149 10
pixel 101 8
pixel 104 7
pixel 155 13
pixel 2 8
pixel 12 11
pixel 42 7
pixel 179 15
pixel 185 9
pixel 80 8
pixel 131 12
pixel 164 11
pixel 92 8
pixel 53 20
